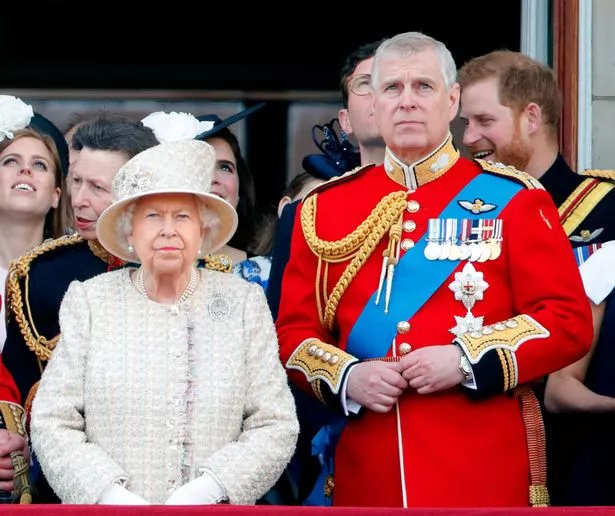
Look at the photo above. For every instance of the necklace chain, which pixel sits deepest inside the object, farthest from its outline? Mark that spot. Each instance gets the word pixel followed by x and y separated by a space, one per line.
pixel 190 288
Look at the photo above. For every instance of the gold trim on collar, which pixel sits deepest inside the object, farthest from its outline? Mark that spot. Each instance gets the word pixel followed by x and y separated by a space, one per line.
pixel 425 170
pixel 100 252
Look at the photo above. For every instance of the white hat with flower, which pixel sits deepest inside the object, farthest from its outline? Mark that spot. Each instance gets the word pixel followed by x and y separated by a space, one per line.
pixel 174 126
pixel 183 166
pixel 15 115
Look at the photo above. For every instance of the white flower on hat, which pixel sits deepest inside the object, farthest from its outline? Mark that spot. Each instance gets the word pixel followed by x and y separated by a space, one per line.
pixel 173 126
pixel 15 114
pixel 139 181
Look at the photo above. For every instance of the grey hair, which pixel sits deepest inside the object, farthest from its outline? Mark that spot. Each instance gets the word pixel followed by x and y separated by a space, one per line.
pixel 410 43
pixel 210 222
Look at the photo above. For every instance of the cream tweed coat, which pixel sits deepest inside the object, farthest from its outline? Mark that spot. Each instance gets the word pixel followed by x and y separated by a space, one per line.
pixel 126 399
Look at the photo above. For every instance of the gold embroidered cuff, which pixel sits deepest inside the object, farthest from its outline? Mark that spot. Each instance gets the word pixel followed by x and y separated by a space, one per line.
pixel 321 361
pixel 507 335
pixel 13 418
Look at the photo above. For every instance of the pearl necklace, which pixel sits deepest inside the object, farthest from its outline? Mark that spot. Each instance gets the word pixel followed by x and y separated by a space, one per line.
pixel 174 307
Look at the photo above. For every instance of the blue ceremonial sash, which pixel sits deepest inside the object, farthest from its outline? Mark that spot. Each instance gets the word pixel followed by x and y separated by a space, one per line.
pixel 415 281
pixel 417 278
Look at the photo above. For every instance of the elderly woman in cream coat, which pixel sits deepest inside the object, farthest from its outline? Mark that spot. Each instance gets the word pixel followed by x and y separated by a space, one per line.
pixel 166 385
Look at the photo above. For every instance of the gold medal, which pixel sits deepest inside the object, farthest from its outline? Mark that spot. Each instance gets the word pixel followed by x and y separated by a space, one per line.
pixel 455 252
pixel 495 248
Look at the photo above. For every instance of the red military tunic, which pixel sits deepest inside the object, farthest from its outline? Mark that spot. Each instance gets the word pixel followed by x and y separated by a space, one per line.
pixel 459 447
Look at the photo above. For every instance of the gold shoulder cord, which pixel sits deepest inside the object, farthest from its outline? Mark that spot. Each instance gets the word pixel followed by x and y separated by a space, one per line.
pixel 220 263
pixel 19 269
pixel 356 247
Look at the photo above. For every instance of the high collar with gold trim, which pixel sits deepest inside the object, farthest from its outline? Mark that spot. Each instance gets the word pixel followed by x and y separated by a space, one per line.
pixel 425 170
pixel 100 252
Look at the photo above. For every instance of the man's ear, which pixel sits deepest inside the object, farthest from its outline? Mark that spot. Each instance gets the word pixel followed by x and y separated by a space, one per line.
pixel 344 119
pixel 533 115
pixel 454 97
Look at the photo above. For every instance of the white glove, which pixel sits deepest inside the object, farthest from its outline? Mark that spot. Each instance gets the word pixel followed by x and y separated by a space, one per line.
pixel 115 494
pixel 204 490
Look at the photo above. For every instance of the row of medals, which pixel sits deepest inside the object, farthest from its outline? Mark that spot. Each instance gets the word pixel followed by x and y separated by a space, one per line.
pixel 474 251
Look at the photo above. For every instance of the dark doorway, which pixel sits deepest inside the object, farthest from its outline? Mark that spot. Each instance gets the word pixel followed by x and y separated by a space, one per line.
pixel 262 53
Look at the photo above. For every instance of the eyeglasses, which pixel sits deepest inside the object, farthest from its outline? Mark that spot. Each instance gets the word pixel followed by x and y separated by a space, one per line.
pixel 360 85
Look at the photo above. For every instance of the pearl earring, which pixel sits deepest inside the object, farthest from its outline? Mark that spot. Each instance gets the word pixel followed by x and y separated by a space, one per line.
pixel 130 248
pixel 199 252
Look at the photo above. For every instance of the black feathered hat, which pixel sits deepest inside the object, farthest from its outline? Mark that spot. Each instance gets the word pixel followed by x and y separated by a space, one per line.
pixel 339 155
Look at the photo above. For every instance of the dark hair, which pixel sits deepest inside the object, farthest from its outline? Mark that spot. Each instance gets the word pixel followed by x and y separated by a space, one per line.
pixel 54 223
pixel 74 121
pixel 115 133
pixel 266 238
pixel 351 62
pixel 297 183
pixel 244 237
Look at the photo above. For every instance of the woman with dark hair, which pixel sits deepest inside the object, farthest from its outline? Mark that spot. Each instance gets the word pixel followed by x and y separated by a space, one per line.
pixel 33 162
pixel 234 183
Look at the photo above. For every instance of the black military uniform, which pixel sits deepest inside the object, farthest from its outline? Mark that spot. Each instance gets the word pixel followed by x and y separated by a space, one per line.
pixel 586 204
pixel 585 200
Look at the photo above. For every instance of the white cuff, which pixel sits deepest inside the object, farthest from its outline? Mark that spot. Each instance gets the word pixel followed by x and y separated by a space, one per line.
pixel 348 404
pixel 471 383
pixel 115 494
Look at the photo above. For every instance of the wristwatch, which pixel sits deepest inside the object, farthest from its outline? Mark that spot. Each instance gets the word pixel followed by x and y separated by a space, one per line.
pixel 465 367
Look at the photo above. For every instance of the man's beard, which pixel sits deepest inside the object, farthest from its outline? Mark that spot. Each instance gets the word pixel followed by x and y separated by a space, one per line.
pixel 517 153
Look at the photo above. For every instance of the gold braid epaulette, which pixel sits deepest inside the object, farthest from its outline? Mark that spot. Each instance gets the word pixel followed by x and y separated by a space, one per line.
pixel 512 173
pixel 599 173
pixel 357 246
pixel 18 269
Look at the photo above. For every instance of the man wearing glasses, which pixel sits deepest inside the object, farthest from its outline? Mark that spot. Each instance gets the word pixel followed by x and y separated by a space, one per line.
pixel 357 117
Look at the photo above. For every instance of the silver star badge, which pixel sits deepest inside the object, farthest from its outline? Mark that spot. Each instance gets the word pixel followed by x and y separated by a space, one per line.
pixel 467 324
pixel 468 286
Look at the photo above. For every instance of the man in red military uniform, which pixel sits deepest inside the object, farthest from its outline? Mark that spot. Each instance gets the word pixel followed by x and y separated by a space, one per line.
pixel 422 298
